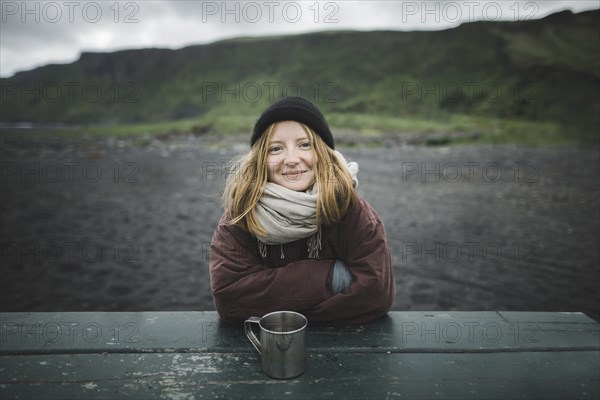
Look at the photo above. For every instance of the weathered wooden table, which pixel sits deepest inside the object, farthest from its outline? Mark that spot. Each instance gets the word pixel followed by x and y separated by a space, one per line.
pixel 405 355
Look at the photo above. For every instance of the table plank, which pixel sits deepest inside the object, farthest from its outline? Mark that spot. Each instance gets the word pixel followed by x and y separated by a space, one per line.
pixel 351 376
pixel 94 332
pixel 187 355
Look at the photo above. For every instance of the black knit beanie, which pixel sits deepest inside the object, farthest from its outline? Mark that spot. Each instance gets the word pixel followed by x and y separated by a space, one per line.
pixel 293 109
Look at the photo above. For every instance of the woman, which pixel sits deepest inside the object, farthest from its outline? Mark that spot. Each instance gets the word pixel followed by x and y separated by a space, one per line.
pixel 295 234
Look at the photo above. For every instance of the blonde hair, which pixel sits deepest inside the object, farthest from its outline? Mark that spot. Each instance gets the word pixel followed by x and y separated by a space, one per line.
pixel 248 177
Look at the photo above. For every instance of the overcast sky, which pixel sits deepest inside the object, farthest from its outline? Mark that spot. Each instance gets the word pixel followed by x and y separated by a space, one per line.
pixel 36 33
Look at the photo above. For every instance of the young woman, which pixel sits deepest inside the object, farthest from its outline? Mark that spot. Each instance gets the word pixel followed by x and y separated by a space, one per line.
pixel 295 234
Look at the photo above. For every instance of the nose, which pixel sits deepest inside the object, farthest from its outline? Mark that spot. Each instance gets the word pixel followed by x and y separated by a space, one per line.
pixel 292 157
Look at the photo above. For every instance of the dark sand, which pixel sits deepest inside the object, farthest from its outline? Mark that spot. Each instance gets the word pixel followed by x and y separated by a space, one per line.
pixel 136 236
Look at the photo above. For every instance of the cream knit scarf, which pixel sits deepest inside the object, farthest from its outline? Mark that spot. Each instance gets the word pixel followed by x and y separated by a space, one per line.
pixel 288 215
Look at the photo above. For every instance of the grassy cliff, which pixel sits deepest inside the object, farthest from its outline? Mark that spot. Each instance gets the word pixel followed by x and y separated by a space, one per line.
pixel 539 75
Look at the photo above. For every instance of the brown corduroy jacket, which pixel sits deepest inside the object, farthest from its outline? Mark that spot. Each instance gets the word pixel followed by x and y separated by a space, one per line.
pixel 244 284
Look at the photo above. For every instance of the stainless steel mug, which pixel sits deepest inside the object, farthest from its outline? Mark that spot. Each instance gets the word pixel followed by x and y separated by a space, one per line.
pixel 281 343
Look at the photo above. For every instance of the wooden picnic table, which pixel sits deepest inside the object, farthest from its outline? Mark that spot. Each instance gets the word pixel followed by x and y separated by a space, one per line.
pixel 404 355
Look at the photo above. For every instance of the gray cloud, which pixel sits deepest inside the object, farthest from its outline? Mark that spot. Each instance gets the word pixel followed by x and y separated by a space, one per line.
pixel 42 32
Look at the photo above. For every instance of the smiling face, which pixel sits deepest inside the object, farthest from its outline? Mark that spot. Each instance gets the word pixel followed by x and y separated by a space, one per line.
pixel 291 159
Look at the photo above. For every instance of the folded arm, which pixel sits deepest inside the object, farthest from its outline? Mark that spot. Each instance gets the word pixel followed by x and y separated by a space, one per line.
pixel 243 287
pixel 372 290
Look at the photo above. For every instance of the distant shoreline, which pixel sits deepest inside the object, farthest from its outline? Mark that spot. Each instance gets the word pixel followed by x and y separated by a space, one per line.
pixel 36 126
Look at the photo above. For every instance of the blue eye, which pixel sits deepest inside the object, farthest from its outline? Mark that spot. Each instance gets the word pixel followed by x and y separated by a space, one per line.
pixel 305 145
pixel 275 149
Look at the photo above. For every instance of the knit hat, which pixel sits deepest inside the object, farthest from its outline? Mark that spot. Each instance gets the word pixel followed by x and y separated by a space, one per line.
pixel 293 109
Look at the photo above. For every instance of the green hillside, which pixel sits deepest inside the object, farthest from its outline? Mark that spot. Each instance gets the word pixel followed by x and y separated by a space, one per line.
pixel 539 71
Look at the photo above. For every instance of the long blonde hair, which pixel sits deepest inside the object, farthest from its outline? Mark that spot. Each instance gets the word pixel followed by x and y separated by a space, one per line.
pixel 248 177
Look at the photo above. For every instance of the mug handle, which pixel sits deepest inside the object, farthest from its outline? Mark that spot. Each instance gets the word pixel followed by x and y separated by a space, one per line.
pixel 250 333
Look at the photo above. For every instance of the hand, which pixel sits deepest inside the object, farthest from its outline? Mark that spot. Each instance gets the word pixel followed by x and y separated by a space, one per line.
pixel 341 277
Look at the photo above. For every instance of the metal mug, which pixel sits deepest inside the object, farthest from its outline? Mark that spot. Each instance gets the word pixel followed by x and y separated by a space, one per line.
pixel 281 343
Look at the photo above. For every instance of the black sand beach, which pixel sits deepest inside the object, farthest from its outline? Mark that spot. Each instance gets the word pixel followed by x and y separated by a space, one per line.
pixel 108 225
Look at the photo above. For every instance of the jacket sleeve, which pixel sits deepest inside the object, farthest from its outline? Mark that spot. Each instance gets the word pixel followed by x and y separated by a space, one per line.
pixel 372 290
pixel 243 287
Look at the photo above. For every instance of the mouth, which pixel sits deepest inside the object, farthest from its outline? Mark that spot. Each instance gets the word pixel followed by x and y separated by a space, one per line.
pixel 293 173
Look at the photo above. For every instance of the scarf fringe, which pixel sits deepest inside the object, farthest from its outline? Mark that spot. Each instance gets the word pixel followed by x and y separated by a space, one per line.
pixel 314 245
pixel 262 249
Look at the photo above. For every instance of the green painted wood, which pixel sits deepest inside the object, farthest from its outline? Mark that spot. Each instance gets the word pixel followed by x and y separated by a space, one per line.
pixel 547 316
pixel 190 355
pixel 74 332
pixel 533 375
pixel 113 332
